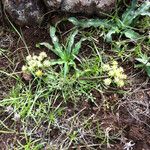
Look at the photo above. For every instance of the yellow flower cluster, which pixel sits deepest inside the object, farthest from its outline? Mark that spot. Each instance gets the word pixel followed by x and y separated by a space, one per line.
pixel 115 74
pixel 35 64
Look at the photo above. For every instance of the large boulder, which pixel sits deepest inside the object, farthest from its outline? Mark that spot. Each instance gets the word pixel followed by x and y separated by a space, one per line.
pixel 24 12
pixel 31 12
pixel 87 7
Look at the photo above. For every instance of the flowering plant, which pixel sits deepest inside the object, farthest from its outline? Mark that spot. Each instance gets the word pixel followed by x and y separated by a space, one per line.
pixel 36 64
pixel 115 74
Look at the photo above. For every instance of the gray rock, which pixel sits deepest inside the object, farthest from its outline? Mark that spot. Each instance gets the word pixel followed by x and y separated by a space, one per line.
pixel 88 6
pixel 78 6
pixel 24 12
pixel 104 6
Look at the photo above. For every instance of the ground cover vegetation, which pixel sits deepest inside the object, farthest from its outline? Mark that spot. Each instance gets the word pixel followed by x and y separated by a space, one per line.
pixel 78 84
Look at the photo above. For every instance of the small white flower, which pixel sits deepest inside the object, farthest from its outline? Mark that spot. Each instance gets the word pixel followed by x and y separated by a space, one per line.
pixel 117 72
pixel 107 81
pixel 114 63
pixel 40 58
pixel 29 57
pixel 43 55
pixel 124 76
pixel 120 83
pixel 32 63
pixel 121 69
pixel 116 79
pixel 106 67
pixel 35 57
pixel 31 68
pixel 24 68
pixel 111 73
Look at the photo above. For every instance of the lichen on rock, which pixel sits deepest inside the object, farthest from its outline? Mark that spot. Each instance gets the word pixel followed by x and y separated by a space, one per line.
pixel 31 12
pixel 53 3
pixel 24 12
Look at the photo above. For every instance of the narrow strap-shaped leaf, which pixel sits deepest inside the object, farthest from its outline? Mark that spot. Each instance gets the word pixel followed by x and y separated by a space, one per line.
pixel 70 41
pixel 57 47
pixel 75 50
pixel 86 23
pixel 49 46
pixel 65 69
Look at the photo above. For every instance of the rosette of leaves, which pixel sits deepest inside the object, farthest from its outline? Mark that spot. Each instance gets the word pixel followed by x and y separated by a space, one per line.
pixel 116 25
pixel 67 53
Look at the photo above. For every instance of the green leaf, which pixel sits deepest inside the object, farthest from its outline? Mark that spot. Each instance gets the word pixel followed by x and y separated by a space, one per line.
pixel 110 33
pixel 49 46
pixel 70 41
pixel 144 9
pixel 131 34
pixel 57 62
pixel 131 13
pixel 86 23
pixel 148 71
pixel 65 69
pixel 75 50
pixel 58 50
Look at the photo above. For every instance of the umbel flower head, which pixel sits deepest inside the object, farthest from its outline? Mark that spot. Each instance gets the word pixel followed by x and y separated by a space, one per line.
pixel 36 64
pixel 115 74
